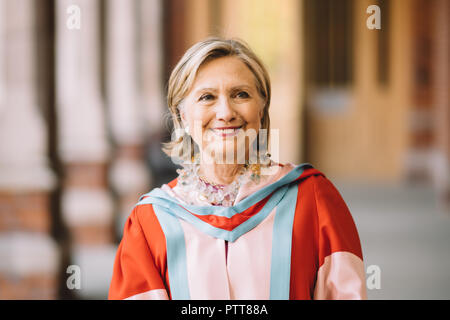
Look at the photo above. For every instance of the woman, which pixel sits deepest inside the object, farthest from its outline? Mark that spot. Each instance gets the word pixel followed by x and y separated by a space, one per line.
pixel 235 224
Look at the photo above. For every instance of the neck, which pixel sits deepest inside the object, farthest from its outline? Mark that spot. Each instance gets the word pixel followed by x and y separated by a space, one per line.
pixel 220 173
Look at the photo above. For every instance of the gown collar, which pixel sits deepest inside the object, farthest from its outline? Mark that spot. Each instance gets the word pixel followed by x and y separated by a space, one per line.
pixel 160 197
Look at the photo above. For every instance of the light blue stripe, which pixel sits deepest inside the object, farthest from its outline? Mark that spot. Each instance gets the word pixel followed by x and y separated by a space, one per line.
pixel 175 210
pixel 239 207
pixel 176 254
pixel 260 216
pixel 280 272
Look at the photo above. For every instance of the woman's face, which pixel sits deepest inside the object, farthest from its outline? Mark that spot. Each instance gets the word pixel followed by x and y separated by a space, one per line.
pixel 222 107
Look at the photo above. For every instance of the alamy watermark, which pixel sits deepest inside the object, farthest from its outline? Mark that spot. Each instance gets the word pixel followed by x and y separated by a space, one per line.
pixel 374 20
pixel 373 281
pixel 73 21
pixel 74 280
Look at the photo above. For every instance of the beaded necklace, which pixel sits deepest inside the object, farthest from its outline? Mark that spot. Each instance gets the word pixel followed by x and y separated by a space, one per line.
pixel 198 188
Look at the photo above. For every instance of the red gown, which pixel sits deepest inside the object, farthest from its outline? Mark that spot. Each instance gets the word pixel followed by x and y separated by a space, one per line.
pixel 289 237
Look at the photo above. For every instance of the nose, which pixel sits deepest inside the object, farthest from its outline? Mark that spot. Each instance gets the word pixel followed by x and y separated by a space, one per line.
pixel 224 110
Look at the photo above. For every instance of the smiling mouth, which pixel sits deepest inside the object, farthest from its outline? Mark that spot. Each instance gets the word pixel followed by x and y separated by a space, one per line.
pixel 227 132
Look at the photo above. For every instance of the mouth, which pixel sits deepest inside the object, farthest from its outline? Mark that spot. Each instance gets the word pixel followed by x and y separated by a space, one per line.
pixel 226 132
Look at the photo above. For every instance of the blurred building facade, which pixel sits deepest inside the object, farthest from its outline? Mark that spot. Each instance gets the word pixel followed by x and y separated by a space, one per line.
pixel 82 111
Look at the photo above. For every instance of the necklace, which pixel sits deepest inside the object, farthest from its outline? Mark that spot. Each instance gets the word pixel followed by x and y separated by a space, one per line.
pixel 197 188
pixel 211 183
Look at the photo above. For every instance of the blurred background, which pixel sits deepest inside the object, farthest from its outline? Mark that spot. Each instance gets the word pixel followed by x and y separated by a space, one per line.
pixel 83 115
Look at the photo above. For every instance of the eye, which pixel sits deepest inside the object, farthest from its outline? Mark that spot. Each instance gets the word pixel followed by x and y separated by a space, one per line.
pixel 242 95
pixel 206 97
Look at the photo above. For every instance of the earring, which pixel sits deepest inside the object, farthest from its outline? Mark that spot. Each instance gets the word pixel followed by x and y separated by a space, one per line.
pixel 256 173
pixel 266 158
pixel 255 169
pixel 187 130
pixel 195 158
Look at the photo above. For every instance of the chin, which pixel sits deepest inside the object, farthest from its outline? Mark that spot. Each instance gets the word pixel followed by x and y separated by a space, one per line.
pixel 228 149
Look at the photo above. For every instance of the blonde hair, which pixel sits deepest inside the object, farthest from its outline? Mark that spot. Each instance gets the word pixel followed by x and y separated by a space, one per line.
pixel 183 77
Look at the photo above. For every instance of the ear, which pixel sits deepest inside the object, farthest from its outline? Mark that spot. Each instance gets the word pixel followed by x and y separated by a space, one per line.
pixel 263 108
pixel 261 114
pixel 183 118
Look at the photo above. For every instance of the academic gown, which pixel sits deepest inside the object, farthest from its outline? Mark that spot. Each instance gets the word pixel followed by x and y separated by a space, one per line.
pixel 291 236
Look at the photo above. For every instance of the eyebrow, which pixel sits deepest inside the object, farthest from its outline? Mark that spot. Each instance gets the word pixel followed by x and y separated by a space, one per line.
pixel 206 89
pixel 241 86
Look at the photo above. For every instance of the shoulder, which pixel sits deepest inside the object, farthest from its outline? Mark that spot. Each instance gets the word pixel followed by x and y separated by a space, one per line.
pixel 143 231
pixel 318 192
pixel 144 214
pixel 143 220
pixel 323 192
pixel 326 194
pixel 334 221
pixel 311 178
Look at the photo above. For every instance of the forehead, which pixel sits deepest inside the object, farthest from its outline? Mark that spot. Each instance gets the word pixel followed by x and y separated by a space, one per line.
pixel 224 70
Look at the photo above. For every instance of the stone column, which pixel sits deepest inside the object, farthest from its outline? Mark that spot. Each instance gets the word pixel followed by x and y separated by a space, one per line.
pixel 151 65
pixel 2 68
pixel 441 114
pixel 129 175
pixel 29 256
pixel 421 132
pixel 87 204
pixel 152 59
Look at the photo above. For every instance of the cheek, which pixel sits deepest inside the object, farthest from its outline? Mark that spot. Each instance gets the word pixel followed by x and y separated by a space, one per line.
pixel 197 122
pixel 252 116
pixel 195 115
